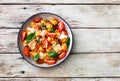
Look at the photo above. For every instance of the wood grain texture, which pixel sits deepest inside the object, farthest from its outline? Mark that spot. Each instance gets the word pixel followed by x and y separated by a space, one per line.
pixel 96 30
pixel 59 1
pixel 90 16
pixel 56 79
pixel 59 79
pixel 82 65
pixel 86 40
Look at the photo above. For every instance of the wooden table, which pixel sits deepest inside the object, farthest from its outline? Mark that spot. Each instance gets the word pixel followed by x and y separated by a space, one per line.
pixel 96 52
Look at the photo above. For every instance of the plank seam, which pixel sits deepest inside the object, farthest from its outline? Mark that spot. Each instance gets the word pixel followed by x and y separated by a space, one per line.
pixel 67 77
pixel 59 3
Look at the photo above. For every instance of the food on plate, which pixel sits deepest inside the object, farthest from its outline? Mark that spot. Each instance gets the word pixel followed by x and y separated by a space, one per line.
pixel 45 40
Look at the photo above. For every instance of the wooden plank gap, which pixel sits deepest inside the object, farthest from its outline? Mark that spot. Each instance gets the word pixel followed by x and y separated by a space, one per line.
pixel 59 3
pixel 9 28
pixel 9 52
pixel 68 77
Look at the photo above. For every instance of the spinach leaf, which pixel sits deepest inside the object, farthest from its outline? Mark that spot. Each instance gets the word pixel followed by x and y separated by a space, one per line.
pixel 68 41
pixel 30 37
pixel 52 30
pixel 36 56
pixel 53 54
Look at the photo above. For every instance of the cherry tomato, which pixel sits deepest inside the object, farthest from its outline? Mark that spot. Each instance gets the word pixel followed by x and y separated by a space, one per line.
pixel 65 32
pixel 37 62
pixel 51 34
pixel 36 20
pixel 41 61
pixel 23 35
pixel 26 51
pixel 62 55
pixel 37 45
pixel 45 43
pixel 51 62
pixel 61 26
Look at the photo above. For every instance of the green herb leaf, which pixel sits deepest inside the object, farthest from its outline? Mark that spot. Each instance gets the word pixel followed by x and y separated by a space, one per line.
pixel 53 54
pixel 68 41
pixel 52 30
pixel 36 56
pixel 30 37
pixel 42 24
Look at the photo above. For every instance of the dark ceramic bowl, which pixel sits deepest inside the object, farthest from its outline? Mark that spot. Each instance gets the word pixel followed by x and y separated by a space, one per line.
pixel 27 24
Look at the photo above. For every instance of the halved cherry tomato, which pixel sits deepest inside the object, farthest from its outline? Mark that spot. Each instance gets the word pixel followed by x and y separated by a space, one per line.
pixel 51 34
pixel 51 61
pixel 60 26
pixel 23 35
pixel 62 55
pixel 36 20
pixel 41 61
pixel 37 45
pixel 65 32
pixel 26 51
pixel 45 43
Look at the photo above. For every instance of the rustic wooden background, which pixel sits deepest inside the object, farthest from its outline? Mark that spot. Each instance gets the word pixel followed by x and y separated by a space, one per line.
pixel 96 52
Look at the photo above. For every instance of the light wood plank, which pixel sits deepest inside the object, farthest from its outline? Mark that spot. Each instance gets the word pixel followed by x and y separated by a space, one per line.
pixel 59 1
pixel 59 79
pixel 77 65
pixel 90 16
pixel 85 40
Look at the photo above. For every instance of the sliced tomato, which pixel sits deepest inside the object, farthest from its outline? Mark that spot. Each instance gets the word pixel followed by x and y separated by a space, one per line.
pixel 62 55
pixel 51 62
pixel 61 26
pixel 23 35
pixel 37 45
pixel 51 34
pixel 45 43
pixel 26 51
pixel 37 62
pixel 65 32
pixel 36 20
pixel 41 61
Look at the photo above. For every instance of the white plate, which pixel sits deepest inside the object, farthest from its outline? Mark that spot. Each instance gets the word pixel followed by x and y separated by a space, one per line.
pixel 27 24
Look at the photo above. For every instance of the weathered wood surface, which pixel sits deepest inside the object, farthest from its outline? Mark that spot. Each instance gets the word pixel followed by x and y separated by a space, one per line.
pixel 77 65
pixel 96 29
pixel 49 79
pixel 58 1
pixel 85 40
pixel 90 16
pixel 59 79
